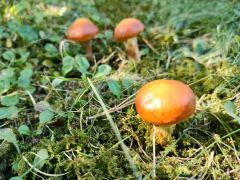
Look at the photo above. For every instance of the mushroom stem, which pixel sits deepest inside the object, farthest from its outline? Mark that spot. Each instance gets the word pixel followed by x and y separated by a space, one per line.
pixel 88 49
pixel 131 46
pixel 163 133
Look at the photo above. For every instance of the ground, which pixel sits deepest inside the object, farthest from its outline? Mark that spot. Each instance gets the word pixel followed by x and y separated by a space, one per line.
pixel 52 99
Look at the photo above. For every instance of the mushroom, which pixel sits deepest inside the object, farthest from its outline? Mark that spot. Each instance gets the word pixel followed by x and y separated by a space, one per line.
pixel 164 103
pixel 83 31
pixel 126 31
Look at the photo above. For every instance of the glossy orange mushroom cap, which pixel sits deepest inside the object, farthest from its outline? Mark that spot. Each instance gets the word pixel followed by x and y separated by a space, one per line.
pixel 165 102
pixel 128 28
pixel 82 30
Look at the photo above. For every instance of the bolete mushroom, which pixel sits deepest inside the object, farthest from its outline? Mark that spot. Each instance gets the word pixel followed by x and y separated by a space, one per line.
pixel 126 31
pixel 164 103
pixel 83 31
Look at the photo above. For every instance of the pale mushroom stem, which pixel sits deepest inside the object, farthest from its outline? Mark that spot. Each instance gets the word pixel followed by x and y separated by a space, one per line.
pixel 163 134
pixel 88 49
pixel 131 46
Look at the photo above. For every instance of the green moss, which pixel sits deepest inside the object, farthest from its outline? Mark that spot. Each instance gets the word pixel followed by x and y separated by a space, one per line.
pixel 194 42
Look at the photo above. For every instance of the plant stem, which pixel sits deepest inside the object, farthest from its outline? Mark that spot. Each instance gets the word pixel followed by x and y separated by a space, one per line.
pixel 154 152
pixel 88 49
pixel 131 46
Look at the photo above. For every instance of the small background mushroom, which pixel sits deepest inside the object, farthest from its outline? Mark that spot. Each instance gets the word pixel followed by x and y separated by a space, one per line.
pixel 83 31
pixel 127 31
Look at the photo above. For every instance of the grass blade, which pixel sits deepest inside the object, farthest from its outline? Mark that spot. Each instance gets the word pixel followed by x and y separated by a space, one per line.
pixel 116 131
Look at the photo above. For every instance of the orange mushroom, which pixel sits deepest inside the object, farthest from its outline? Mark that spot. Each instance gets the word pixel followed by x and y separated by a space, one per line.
pixel 164 103
pixel 126 31
pixel 83 31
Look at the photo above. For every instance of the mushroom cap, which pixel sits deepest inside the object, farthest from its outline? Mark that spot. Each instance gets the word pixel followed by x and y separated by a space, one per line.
pixel 82 29
pixel 128 28
pixel 165 102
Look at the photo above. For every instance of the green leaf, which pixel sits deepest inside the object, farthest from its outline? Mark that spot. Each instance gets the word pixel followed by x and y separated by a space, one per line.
pixel 28 33
pixel 8 135
pixel 45 117
pixel 50 48
pixel 144 51
pixel 22 6
pixel 8 112
pixel 40 158
pixel 16 178
pixel 56 82
pixel 42 106
pixel 13 24
pixel 199 46
pixel 52 51
pixel 115 88
pixel 82 64
pixel 96 17
pixel 127 84
pixel 68 62
pixel 24 130
pixel 7 73
pixel 2 29
pixel 230 108
pixel 4 85
pixel 6 77
pixel 15 165
pixel 103 70
pixel 9 100
pixel 9 55
pixel 48 63
pixel 38 131
pixel 108 34
pixel 23 55
pixel 25 77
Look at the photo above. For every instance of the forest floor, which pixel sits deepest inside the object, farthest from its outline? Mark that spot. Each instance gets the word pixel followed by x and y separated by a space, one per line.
pixel 51 118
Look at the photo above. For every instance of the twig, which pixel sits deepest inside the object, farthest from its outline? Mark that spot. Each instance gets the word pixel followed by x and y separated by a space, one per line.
pixel 120 106
pixel 150 46
pixel 4 124
pixel 168 60
pixel 111 110
pixel 31 97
